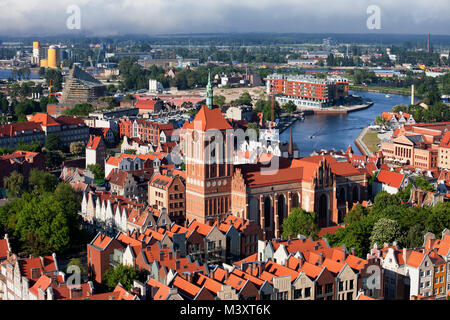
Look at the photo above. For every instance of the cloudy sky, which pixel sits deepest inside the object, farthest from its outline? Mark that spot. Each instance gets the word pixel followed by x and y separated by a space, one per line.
pixel 112 17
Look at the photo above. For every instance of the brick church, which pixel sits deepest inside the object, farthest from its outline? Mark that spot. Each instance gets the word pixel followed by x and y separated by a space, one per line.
pixel 216 187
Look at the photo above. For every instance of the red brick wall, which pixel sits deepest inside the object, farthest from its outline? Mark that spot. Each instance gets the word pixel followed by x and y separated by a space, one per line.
pixel 98 260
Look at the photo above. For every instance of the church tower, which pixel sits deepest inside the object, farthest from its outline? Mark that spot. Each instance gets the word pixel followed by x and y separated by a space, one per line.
pixel 209 92
pixel 208 143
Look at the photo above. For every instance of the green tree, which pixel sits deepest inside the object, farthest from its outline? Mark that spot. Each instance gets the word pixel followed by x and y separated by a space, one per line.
pixel 77 147
pixel 219 100
pixel 413 237
pixel 244 99
pixel 82 109
pixel 254 126
pixel 379 120
pixel 130 151
pixel 54 79
pixel 77 262
pixel 357 213
pixel 14 184
pixel 355 235
pixel 405 193
pixel 385 231
pixel 125 275
pixel 42 181
pixel 439 219
pixel 42 220
pixel 424 184
pixel 300 222
pixel 53 142
pixel 289 107
pixel 34 146
pixel 4 104
pixel 383 200
pixel 53 159
pixel 97 170
pixel 264 106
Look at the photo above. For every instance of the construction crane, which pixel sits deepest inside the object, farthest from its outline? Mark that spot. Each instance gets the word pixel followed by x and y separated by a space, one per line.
pixel 100 48
pixel 90 61
pixel 272 107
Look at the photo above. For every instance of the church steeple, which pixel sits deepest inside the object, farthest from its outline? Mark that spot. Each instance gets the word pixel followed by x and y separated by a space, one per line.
pixel 209 92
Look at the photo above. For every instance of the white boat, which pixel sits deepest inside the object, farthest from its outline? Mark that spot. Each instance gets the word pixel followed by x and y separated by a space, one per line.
pixel 388 96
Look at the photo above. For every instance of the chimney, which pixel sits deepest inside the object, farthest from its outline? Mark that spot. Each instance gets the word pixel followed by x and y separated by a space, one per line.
pixel 404 255
pixel 76 292
pixel 353 252
pixel 177 264
pixel 170 255
pixel 320 258
pixel 136 291
pixel 161 255
pixel 173 291
pixel 188 276
pixel 260 268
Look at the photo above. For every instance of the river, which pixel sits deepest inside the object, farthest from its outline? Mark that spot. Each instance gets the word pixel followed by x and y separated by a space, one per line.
pixel 5 74
pixel 340 131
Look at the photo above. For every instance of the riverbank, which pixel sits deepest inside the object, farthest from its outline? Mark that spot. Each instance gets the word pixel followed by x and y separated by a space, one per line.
pixel 360 143
pixel 286 121
pixel 387 90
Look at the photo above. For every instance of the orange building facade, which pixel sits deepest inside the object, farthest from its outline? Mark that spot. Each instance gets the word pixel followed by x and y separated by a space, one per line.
pixel 418 145
pixel 307 90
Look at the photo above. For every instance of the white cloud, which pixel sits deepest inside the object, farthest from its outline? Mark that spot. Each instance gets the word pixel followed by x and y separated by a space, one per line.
pixel 185 16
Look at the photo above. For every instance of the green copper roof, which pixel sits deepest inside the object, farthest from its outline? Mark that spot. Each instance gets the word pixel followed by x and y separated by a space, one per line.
pixel 209 92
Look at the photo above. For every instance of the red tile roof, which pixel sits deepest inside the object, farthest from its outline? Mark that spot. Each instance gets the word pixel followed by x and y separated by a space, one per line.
pixel 44 264
pixel 4 248
pixel 201 228
pixel 236 282
pixel 43 283
pixel 280 270
pixel 185 287
pixel 330 230
pixel 445 142
pixel 101 241
pixel 355 263
pixel 390 178
pixel 364 297
pixel 13 129
pixel 44 119
pixel 117 177
pixel 311 270
pixel 162 292
pixel 333 266
pixel 146 104
pixel 210 284
pixel 415 258
pixel 93 142
pixel 208 119
pixel 161 181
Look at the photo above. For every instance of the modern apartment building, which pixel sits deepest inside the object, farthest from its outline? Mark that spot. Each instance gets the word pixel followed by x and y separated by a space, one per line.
pixel 307 91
